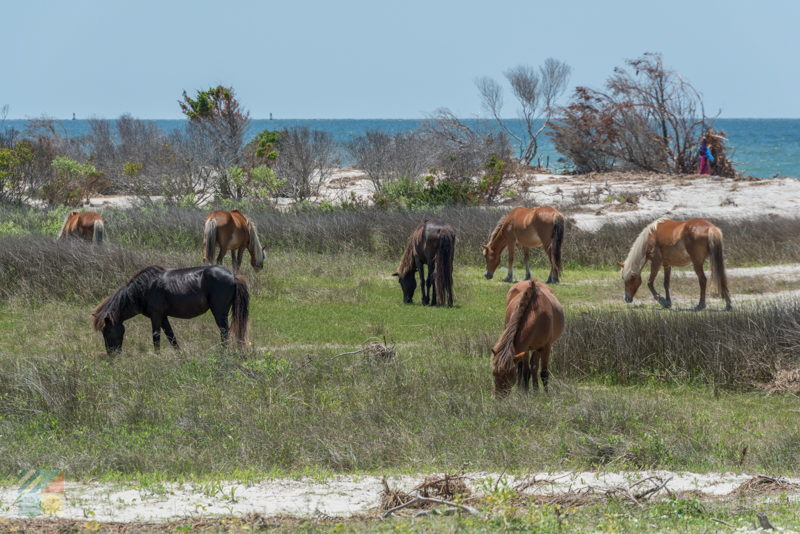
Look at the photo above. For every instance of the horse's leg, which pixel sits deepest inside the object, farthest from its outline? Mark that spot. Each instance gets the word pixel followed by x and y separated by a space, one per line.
pixel 533 369
pixel 431 282
pixel 156 321
pixel 526 256
pixel 667 299
pixel 422 282
pixel 239 255
pixel 220 314
pixel 221 255
pixel 512 244
pixel 523 375
pixel 701 279
pixel 170 334
pixel 655 266
pixel 545 361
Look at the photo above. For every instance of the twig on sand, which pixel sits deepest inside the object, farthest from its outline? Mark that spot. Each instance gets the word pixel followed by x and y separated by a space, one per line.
pixel 415 500
pixel 722 522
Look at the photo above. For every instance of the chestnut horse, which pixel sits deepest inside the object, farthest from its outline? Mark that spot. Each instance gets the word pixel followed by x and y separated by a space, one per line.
pixel 232 230
pixel 159 293
pixel 537 227
pixel 87 225
pixel 676 244
pixel 432 243
pixel 534 321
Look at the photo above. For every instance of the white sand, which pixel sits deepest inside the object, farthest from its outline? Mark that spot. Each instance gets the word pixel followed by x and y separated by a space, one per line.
pixel 341 496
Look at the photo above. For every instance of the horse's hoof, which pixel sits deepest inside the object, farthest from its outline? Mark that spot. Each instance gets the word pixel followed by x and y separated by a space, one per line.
pixel 728 307
pixel 528 276
pixel 700 307
pixel 664 302
pixel 508 279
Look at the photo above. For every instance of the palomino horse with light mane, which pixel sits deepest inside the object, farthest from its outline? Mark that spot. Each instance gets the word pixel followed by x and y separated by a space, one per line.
pixel 432 243
pixel 232 230
pixel 87 225
pixel 676 244
pixel 537 227
pixel 534 321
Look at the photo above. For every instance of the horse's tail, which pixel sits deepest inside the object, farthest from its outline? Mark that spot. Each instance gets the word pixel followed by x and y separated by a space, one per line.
pixel 443 264
pixel 503 352
pixel 556 242
pixel 719 280
pixel 209 240
pixel 63 232
pixel 240 310
pixel 99 234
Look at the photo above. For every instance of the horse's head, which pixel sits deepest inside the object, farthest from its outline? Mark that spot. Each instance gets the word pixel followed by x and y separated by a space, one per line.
pixel 632 282
pixel 408 284
pixel 257 257
pixel 113 332
pixel 505 376
pixel 492 261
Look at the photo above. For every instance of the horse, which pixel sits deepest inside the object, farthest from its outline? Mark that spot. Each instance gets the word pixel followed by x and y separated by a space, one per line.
pixel 534 321
pixel 87 225
pixel 671 244
pixel 537 227
pixel 432 243
pixel 159 293
pixel 232 230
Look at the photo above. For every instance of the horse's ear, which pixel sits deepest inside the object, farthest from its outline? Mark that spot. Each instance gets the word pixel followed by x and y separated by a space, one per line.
pixel 484 247
pixel 519 356
pixel 621 264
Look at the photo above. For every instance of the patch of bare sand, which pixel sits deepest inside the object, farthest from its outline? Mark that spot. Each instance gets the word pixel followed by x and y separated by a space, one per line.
pixel 347 496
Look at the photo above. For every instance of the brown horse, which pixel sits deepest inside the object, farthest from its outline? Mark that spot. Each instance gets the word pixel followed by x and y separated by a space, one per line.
pixel 432 243
pixel 538 227
pixel 231 230
pixel 534 321
pixel 676 244
pixel 87 225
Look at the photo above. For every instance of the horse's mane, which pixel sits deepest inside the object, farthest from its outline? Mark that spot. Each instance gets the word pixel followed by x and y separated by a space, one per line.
pixel 254 241
pixel 62 232
pixel 637 256
pixel 503 351
pixel 124 297
pixel 498 227
pixel 407 263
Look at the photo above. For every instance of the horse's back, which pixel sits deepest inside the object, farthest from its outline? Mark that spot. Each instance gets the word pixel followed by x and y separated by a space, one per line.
pixel 191 291
pixel 545 319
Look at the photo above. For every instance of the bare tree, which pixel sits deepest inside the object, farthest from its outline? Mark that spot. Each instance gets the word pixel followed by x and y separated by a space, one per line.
pixel 386 157
pixel 306 160
pixel 536 92
pixel 649 118
pixel 217 115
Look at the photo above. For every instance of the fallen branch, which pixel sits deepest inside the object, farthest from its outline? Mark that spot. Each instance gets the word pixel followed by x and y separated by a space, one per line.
pixel 415 500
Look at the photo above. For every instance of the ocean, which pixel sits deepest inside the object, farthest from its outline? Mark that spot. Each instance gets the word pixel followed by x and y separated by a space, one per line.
pixel 760 147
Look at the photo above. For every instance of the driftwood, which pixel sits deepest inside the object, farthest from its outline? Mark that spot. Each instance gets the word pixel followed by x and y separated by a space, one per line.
pixel 431 500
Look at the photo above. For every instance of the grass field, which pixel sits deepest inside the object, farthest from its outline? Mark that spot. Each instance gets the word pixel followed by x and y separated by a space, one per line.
pixel 635 387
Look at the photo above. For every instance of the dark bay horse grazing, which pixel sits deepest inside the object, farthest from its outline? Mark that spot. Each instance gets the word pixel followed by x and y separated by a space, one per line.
pixel 537 227
pixel 534 321
pixel 158 293
pixel 432 243
pixel 676 244
pixel 232 230
pixel 87 225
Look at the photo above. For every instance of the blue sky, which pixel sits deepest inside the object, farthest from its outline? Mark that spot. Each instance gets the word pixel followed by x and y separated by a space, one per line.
pixel 378 59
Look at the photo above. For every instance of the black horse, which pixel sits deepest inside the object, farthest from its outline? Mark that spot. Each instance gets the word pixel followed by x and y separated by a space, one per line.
pixel 432 243
pixel 159 293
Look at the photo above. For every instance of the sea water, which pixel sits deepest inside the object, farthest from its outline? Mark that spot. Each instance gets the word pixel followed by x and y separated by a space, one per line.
pixel 759 147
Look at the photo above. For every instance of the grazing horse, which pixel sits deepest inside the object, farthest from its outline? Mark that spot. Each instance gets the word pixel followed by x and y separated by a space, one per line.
pixel 158 293
pixel 87 225
pixel 432 243
pixel 534 321
pixel 676 244
pixel 537 227
pixel 232 230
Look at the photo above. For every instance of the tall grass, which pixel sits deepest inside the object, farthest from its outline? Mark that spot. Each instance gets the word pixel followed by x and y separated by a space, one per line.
pixel 384 233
